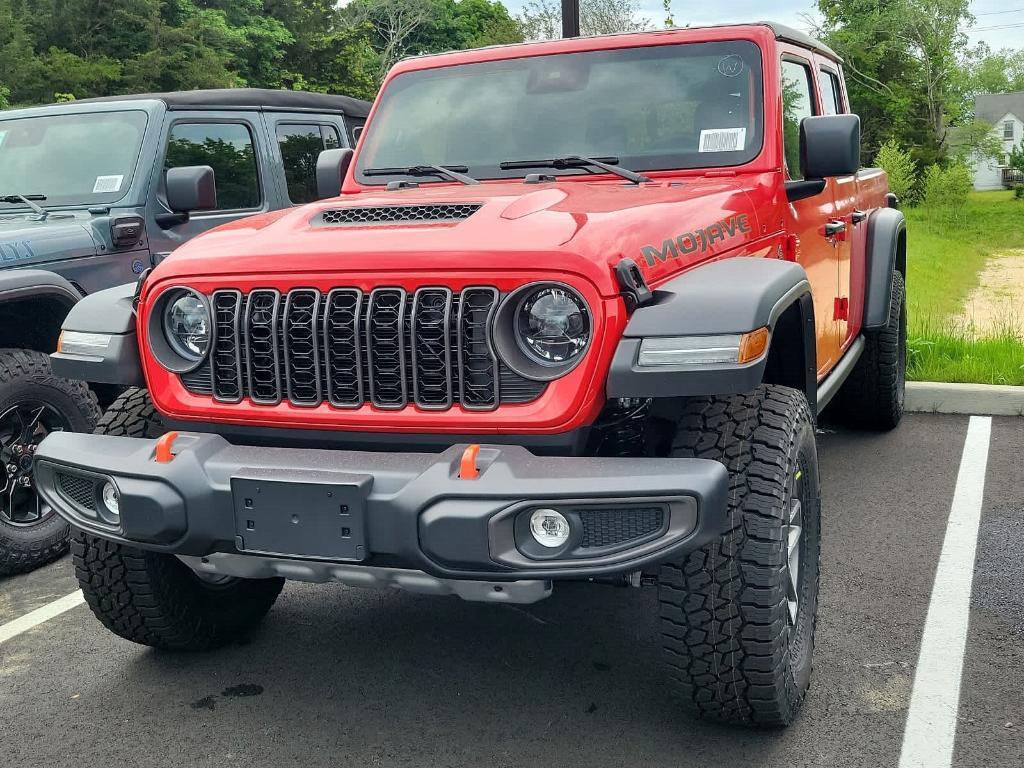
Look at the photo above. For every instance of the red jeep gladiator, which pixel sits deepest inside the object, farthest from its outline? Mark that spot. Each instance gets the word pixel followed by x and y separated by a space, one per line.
pixel 570 315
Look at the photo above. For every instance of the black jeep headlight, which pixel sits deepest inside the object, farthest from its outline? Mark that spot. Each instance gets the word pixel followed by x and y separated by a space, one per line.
pixel 552 325
pixel 187 325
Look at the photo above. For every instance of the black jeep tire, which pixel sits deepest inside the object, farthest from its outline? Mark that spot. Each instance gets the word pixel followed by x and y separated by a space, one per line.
pixel 152 598
pixel 872 397
pixel 33 402
pixel 734 651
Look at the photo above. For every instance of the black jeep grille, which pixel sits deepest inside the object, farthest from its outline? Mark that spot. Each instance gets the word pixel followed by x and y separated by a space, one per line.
pixel 80 490
pixel 390 214
pixel 608 527
pixel 387 347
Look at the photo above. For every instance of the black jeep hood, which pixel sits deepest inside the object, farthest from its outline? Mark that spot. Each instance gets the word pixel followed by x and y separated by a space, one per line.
pixel 26 241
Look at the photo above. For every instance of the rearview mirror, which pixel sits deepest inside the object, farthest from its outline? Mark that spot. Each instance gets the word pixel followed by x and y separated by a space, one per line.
pixel 331 167
pixel 829 146
pixel 191 188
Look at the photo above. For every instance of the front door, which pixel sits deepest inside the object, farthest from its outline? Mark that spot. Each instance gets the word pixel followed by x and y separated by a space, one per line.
pixel 229 145
pixel 817 252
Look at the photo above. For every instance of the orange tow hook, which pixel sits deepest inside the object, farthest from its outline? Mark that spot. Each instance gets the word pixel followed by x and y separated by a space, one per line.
pixel 163 447
pixel 467 467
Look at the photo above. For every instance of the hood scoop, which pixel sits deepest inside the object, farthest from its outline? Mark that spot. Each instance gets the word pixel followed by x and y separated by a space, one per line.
pixel 363 215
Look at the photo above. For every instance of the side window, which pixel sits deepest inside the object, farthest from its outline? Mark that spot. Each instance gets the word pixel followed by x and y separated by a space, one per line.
pixel 831 93
pixel 300 145
pixel 225 147
pixel 797 103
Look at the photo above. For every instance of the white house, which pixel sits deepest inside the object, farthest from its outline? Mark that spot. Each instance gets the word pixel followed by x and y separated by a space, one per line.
pixel 1005 112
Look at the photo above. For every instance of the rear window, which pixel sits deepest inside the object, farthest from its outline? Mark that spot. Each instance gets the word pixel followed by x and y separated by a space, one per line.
pixel 300 146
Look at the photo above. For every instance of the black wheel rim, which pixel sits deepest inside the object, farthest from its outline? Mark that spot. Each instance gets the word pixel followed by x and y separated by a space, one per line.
pixel 22 427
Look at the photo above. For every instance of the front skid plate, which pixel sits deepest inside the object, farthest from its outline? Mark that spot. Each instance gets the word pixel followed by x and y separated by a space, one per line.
pixel 254 567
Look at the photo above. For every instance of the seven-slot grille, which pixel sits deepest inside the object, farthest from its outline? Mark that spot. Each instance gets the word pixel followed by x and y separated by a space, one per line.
pixel 388 347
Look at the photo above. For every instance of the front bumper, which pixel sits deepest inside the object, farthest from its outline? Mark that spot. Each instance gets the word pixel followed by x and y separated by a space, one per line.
pixel 324 514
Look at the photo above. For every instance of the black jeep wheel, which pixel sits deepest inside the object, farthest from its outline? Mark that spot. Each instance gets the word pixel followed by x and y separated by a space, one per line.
pixel 33 403
pixel 872 397
pixel 738 616
pixel 155 599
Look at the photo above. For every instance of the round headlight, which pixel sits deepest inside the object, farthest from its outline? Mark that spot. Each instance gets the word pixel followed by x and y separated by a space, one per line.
pixel 552 325
pixel 187 326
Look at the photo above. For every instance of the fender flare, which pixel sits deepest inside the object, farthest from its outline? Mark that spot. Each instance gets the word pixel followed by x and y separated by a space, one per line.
pixel 732 296
pixel 29 283
pixel 886 253
pixel 109 313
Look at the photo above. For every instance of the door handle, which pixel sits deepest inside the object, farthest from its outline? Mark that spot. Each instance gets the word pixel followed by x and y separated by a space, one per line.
pixel 858 216
pixel 836 229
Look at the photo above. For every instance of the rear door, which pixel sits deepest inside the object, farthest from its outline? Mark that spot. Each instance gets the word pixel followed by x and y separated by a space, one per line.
pixel 235 146
pixel 297 140
pixel 817 253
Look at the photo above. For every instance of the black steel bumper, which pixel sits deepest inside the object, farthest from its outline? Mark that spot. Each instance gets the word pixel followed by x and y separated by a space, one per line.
pixel 399 510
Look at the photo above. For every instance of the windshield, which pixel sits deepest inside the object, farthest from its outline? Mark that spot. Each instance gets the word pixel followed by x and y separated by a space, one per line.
pixel 72 159
pixel 694 105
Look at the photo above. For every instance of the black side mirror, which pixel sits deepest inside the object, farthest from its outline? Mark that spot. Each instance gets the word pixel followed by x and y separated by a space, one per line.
pixel 331 167
pixel 829 146
pixel 192 188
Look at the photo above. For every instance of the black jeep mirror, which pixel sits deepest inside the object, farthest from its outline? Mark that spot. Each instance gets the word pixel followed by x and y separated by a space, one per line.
pixel 829 146
pixel 192 188
pixel 331 167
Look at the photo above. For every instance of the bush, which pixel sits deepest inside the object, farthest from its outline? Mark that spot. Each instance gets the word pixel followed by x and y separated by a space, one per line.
pixel 902 171
pixel 1018 192
pixel 946 189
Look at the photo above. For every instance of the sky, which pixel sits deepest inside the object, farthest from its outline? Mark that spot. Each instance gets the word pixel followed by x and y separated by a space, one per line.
pixel 988 13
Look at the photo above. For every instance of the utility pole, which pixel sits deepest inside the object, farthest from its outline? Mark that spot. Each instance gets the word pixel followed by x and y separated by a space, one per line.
pixel 570 18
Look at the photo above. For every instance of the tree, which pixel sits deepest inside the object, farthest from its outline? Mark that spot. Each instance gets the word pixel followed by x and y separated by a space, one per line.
pixel 542 19
pixel 999 72
pixel 902 58
pixel 901 169
pixel 1015 159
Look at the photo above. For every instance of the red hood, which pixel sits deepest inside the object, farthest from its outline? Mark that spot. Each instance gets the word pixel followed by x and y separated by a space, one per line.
pixel 576 227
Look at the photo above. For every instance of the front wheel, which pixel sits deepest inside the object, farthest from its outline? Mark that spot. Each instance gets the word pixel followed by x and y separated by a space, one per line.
pixel 33 403
pixel 738 616
pixel 155 599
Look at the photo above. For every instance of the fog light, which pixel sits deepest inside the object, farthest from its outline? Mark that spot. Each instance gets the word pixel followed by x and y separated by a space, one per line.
pixel 111 498
pixel 549 527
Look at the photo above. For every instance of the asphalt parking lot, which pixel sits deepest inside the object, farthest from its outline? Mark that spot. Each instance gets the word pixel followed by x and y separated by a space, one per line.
pixel 344 677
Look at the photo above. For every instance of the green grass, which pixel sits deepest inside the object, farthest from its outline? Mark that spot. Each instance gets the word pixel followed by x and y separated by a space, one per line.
pixel 946 253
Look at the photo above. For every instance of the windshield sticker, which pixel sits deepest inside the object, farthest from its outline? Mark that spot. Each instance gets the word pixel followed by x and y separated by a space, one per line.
pixel 722 140
pixel 730 66
pixel 699 240
pixel 107 184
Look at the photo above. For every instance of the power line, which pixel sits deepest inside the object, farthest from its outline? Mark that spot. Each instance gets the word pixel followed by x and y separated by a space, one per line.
pixel 998 13
pixel 989 29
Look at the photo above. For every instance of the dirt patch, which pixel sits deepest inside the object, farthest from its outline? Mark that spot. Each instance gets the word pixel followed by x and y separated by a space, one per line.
pixel 996 306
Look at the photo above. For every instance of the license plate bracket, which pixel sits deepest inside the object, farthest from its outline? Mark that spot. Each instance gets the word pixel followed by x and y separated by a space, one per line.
pixel 302 517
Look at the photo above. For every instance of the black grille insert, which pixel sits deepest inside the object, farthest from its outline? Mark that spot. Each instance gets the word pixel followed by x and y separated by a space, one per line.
pixel 393 214
pixel 387 347
pixel 80 490
pixel 612 526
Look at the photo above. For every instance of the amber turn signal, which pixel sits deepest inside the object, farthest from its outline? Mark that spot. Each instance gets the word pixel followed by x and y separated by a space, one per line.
pixel 753 345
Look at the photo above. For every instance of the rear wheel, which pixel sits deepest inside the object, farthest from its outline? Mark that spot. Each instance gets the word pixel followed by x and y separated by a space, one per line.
pixel 872 397
pixel 33 403
pixel 738 616
pixel 152 598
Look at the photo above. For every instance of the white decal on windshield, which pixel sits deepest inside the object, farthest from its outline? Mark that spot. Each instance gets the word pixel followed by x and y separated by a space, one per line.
pixel 107 184
pixel 722 140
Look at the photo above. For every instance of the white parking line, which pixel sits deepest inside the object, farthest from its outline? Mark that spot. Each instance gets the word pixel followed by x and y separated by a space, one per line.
pixel 39 615
pixel 931 722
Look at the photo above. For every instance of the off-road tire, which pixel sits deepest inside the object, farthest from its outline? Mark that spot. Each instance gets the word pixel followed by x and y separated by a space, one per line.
pixel 152 598
pixel 732 652
pixel 26 375
pixel 872 397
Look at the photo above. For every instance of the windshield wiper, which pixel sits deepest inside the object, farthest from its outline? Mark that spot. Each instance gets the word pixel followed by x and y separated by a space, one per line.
pixel 606 164
pixel 27 200
pixel 453 172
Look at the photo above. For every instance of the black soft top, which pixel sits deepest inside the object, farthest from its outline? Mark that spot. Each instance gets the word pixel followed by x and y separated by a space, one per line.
pixel 267 99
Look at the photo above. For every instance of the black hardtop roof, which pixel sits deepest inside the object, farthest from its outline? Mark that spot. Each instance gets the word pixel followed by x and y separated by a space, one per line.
pixel 267 99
